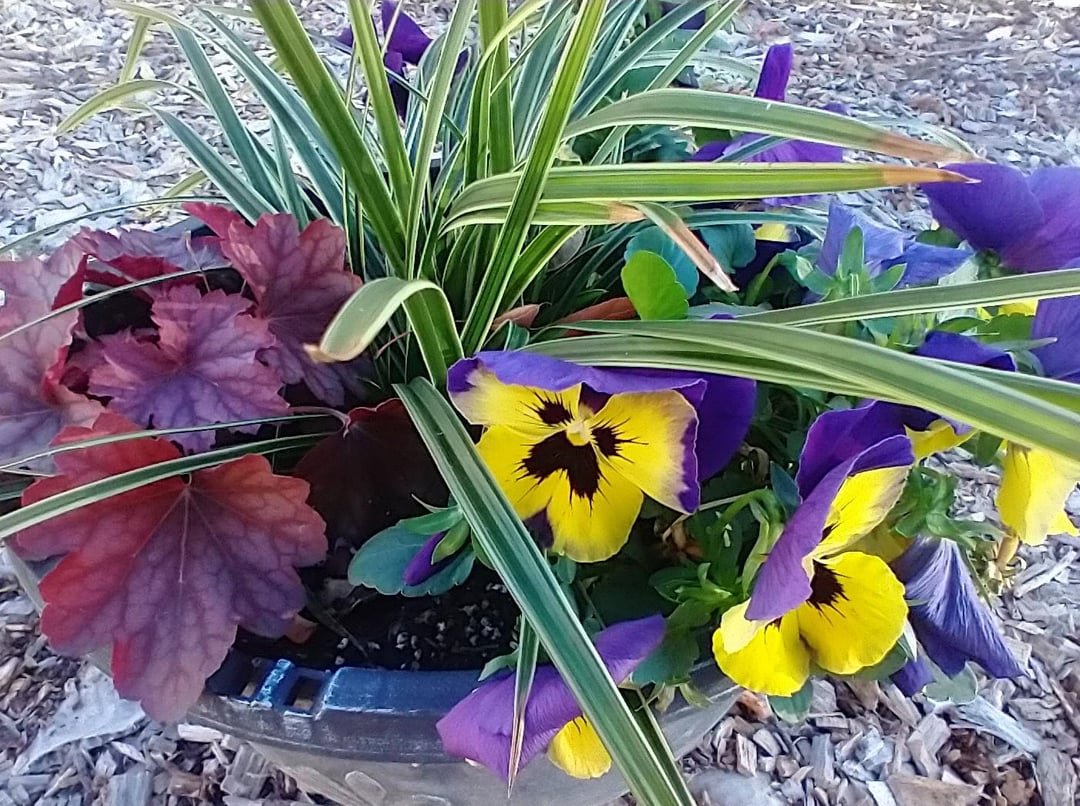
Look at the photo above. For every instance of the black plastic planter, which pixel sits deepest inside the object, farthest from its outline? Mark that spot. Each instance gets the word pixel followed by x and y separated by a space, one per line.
pixel 366 737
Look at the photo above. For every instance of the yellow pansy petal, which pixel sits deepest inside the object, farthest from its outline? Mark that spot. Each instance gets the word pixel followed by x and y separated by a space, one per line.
pixel 530 410
pixel 884 543
pixel 1026 307
pixel 578 751
pixel 769 658
pixel 592 527
pixel 649 439
pixel 862 503
pixel 1034 487
pixel 855 614
pixel 939 437
pixel 505 452
pixel 774 231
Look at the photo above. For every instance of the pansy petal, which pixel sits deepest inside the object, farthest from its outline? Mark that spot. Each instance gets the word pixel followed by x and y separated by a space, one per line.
pixel 861 504
pixel 590 528
pixel 880 244
pixel 913 677
pixel 485 400
pixel 856 613
pixel 1034 487
pixel 926 264
pixel 773 661
pixel 1056 243
pixel 952 623
pixel 506 453
pixel 775 72
pixel 937 437
pixel 835 437
pixel 422 566
pixel 947 346
pixel 649 438
pixel 1059 319
pixel 998 211
pixel 404 35
pixel 578 751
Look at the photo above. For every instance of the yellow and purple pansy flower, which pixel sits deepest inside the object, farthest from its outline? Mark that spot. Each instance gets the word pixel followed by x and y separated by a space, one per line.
pixel 480 727
pixel 576 449
pixel 815 599
pixel 949 619
pixel 1035 484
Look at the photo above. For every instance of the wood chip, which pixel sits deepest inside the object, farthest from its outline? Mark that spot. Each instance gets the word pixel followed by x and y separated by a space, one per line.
pixel 1056 776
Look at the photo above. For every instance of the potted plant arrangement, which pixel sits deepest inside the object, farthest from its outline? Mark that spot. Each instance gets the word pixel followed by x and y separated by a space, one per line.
pixel 516 399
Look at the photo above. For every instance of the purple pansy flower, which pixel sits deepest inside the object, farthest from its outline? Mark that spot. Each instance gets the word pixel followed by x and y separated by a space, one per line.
pixel 406 44
pixel 772 86
pixel 837 508
pixel 951 622
pixel 1058 319
pixel 479 727
pixel 885 247
pixel 1031 222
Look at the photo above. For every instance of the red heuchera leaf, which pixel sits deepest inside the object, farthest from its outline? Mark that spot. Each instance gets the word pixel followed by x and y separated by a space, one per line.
pixel 370 476
pixel 34 405
pixel 142 254
pixel 299 282
pixel 165 573
pixel 201 370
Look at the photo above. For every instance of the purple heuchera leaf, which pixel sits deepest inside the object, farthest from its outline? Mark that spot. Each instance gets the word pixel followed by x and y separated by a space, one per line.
pixel 1031 222
pixel 480 726
pixel 201 370
pixel 885 247
pixel 1059 319
pixel 299 282
pixel 142 254
pixel 165 573
pixel 950 621
pixel 34 404
pixel 371 475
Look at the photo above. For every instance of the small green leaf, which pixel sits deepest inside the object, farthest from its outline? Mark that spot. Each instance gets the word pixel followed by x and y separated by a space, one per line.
pixel 958 690
pixel 653 240
pixel 653 287
pixel 380 564
pixel 787 492
pixel 793 709
pixel 453 542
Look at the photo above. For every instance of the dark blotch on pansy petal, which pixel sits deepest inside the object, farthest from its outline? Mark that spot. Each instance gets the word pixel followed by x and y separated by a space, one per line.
pixel 952 623
pixel 370 476
pixel 479 727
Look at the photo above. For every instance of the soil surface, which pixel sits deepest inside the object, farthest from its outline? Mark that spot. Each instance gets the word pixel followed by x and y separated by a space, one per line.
pixel 1005 76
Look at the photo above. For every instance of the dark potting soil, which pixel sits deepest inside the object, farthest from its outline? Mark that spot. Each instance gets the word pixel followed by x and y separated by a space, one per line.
pixel 461 629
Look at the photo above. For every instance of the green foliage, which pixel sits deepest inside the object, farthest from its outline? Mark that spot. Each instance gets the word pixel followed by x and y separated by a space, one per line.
pixel 653 287
pixel 380 564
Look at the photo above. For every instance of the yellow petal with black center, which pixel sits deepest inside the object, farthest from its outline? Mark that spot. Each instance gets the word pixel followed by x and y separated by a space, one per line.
pixel 862 503
pixel 1034 487
pixel 940 436
pixel 506 453
pixel 649 439
pixel 578 751
pixel 530 410
pixel 590 524
pixel 765 657
pixel 855 613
